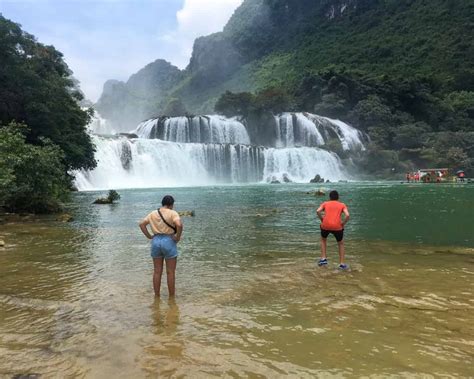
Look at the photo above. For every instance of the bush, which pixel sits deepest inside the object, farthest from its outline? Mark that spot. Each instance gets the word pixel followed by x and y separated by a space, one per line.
pixel 32 177
pixel 233 104
pixel 113 196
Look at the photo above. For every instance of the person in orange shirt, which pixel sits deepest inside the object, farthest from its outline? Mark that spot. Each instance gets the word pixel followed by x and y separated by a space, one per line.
pixel 330 213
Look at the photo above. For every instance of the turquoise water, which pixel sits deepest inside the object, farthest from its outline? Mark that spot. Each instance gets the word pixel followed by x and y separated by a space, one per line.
pixel 76 299
pixel 419 214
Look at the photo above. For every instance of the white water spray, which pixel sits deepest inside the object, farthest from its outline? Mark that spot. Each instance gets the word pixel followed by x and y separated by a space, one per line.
pixel 202 150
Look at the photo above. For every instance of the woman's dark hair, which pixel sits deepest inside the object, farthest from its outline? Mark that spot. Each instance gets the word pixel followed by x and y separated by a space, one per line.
pixel 334 195
pixel 167 201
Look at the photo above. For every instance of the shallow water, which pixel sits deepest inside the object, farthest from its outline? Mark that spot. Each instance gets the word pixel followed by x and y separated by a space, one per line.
pixel 76 299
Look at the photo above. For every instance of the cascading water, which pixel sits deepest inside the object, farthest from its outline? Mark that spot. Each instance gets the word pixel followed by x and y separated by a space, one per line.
pixel 100 126
pixel 198 129
pixel 306 129
pixel 201 150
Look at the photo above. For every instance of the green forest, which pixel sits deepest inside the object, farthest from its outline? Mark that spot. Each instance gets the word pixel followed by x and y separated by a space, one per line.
pixel 400 70
pixel 42 126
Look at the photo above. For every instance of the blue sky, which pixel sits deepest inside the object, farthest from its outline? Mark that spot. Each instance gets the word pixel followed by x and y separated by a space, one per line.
pixel 112 39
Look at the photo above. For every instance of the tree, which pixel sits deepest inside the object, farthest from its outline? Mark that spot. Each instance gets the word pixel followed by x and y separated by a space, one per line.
pixel 32 177
pixel 235 104
pixel 175 108
pixel 37 88
pixel 273 99
pixel 410 135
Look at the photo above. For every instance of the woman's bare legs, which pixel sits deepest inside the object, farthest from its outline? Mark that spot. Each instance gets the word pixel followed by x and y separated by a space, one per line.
pixel 170 275
pixel 158 270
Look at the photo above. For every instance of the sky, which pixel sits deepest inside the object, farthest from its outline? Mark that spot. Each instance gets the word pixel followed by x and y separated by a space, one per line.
pixel 113 39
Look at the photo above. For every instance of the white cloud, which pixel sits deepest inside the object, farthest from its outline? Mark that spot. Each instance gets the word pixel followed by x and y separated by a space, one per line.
pixel 113 39
pixel 195 19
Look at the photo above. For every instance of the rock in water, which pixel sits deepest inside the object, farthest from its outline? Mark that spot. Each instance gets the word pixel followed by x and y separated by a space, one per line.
pixel 111 197
pixel 128 135
pixel 187 213
pixel 2 243
pixel 65 218
pixel 102 200
pixel 126 155
pixel 286 178
pixel 317 179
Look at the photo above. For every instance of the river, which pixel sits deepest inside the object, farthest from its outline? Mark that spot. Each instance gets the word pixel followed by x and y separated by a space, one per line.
pixel 76 299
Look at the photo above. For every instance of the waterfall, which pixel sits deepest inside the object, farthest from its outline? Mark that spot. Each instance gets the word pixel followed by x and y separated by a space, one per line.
pixel 202 150
pixel 100 126
pixel 301 164
pixel 198 129
pixel 306 129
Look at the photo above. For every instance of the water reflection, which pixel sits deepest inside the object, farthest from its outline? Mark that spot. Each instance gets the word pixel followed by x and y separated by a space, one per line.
pixel 163 347
pixel 165 317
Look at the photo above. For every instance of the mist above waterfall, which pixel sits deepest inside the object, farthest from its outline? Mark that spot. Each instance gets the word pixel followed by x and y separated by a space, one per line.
pixel 210 149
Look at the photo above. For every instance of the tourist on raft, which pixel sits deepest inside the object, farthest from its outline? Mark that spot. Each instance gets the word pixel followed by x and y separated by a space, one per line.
pixel 330 213
pixel 166 227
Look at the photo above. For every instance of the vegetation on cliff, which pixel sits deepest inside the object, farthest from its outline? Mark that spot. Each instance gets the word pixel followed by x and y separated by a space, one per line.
pixel 401 70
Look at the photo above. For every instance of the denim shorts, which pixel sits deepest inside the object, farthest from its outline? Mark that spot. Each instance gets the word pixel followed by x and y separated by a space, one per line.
pixel 163 246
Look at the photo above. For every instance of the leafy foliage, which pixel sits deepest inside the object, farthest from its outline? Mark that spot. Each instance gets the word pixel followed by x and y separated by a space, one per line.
pixel 37 89
pixel 113 196
pixel 231 104
pixel 32 177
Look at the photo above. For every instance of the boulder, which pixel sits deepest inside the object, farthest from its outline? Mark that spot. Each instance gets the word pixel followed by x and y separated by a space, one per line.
pixel 286 178
pixel 317 179
pixel 187 213
pixel 65 217
pixel 275 181
pixel 111 197
pixel 128 135
pixel 319 192
pixel 103 200
pixel 2 243
pixel 126 155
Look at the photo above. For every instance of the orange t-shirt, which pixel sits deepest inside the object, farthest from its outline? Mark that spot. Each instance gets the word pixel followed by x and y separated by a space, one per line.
pixel 332 214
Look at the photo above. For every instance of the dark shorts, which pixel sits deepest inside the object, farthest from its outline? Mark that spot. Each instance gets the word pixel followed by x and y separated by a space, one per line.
pixel 339 234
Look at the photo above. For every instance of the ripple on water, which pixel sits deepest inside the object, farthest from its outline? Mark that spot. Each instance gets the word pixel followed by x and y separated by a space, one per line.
pixel 75 300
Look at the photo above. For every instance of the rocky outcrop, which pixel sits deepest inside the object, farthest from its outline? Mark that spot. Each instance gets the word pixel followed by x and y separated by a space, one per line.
pixel 187 213
pixel 317 179
pixel 126 104
pixel 126 155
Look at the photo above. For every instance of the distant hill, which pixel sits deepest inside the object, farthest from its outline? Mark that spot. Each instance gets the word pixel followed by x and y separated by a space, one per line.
pixel 278 42
pixel 126 104
pixel 401 70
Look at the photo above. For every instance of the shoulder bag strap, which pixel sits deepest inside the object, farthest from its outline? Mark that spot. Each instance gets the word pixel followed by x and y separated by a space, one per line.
pixel 171 226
